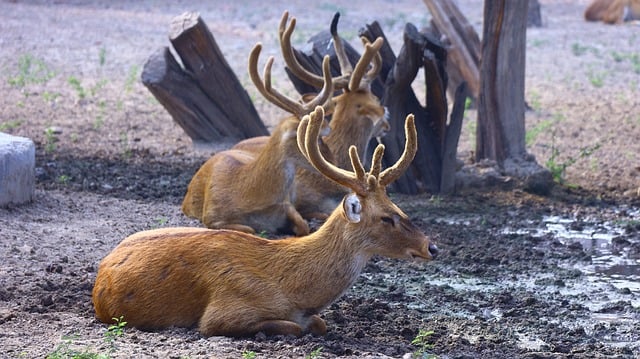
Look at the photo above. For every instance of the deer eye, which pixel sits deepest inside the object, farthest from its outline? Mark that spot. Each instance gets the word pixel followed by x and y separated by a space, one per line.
pixel 388 220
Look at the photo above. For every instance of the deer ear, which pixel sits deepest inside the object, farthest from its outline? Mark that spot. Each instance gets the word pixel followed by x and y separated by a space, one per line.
pixel 352 208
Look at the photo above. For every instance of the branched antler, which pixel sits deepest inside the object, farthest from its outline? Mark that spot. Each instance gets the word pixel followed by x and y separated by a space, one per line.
pixel 360 182
pixel 286 103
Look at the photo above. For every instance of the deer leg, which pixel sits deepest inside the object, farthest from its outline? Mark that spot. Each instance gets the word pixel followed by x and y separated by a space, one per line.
pixel 317 326
pixel 299 224
pixel 238 227
pixel 232 226
pixel 278 327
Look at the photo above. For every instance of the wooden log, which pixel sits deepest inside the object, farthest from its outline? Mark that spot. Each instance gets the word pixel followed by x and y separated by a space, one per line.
pixel 420 50
pixel 534 17
pixel 501 130
pixel 450 150
pixel 185 101
pixel 204 97
pixel 464 51
pixel 398 100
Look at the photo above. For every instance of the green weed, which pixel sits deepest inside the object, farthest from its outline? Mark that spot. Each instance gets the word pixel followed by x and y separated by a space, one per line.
pixel 124 142
pixel 160 221
pixel 596 78
pixel 10 125
pixel 76 85
pixel 557 168
pixel 31 71
pixel 102 56
pixel 97 87
pixel 424 346
pixel 50 140
pixel 50 96
pixel 533 133
pixel 579 50
pixel 534 101
pixel 65 350
pixel 63 179
pixel 248 354
pixel 132 77
pixel 314 354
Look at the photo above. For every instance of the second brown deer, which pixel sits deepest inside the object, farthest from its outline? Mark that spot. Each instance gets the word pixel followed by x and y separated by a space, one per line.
pixel 613 11
pixel 231 190
pixel 357 117
pixel 236 284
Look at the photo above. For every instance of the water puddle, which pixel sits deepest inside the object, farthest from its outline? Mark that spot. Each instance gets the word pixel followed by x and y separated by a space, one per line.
pixel 612 258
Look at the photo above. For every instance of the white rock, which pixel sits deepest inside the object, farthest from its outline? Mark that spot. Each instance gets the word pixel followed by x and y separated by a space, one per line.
pixel 17 169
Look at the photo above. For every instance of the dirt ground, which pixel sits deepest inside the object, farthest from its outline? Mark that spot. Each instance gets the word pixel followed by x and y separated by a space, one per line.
pixel 519 276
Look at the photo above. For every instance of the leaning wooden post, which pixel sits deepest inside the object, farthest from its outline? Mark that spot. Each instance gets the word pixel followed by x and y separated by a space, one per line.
pixel 204 97
pixel 464 44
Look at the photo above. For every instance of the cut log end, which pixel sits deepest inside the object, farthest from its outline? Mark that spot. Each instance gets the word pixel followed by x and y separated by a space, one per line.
pixel 182 23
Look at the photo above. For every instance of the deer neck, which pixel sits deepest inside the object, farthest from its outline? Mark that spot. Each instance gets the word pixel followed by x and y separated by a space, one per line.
pixel 332 261
pixel 347 131
pixel 273 167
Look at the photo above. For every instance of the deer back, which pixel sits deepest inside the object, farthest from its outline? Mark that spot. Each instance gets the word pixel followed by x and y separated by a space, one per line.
pixel 613 11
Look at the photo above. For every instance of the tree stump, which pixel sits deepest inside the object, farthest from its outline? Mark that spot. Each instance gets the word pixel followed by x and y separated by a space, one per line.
pixel 204 97
pixel 434 165
pixel 462 42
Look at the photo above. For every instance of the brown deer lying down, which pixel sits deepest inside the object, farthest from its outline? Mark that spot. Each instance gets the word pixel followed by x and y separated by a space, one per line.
pixel 357 117
pixel 252 191
pixel 613 11
pixel 237 284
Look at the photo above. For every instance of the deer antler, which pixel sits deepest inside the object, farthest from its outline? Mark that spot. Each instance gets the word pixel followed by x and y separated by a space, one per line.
pixel 285 31
pixel 360 182
pixel 360 79
pixel 357 76
pixel 350 79
pixel 288 104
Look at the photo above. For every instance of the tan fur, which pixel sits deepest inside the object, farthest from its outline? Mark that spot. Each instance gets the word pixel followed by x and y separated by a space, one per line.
pixel 237 284
pixel 253 191
pixel 613 11
pixel 231 190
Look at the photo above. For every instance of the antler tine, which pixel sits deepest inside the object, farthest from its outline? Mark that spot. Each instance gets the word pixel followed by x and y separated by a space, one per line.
pixel 345 65
pixel 410 147
pixel 376 161
pixel 327 89
pixel 286 103
pixel 353 180
pixel 301 134
pixel 370 50
pixel 265 89
pixel 285 31
pixel 376 63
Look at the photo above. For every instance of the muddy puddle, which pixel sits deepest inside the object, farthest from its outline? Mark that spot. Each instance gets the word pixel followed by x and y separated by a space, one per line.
pixel 614 256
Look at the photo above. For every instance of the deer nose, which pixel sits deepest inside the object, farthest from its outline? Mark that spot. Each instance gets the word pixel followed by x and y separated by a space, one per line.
pixel 433 250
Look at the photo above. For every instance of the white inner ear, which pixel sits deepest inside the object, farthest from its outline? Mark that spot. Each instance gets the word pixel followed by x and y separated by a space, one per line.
pixel 352 207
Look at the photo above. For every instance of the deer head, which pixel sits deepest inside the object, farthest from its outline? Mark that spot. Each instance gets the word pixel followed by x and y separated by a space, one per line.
pixel 357 115
pixel 231 189
pixel 237 284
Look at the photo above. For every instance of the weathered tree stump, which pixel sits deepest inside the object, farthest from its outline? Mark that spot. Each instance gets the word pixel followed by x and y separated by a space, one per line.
pixel 534 17
pixel 462 42
pixel 204 97
pixel 430 170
